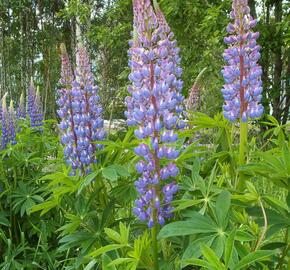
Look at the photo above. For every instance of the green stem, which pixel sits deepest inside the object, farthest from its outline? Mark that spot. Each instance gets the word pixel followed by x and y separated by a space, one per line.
pixel 242 154
pixel 155 243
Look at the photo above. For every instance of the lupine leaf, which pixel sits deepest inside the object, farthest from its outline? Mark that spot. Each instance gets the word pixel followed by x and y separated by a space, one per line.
pixel 260 255
pixel 197 224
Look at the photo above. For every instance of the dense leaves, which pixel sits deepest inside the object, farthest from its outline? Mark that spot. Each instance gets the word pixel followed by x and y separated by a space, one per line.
pixel 51 219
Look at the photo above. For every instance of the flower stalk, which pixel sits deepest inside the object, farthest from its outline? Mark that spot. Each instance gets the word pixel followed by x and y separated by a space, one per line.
pixel 243 85
pixel 155 108
pixel 80 112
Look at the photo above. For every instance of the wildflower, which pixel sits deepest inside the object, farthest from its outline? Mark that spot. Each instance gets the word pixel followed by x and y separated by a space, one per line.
pixel 8 124
pixel 243 88
pixel 81 112
pixel 5 123
pixel 30 98
pixel 36 115
pixel 21 110
pixel 12 123
pixel 155 106
pixel 65 112
pixel 34 106
pixel 193 101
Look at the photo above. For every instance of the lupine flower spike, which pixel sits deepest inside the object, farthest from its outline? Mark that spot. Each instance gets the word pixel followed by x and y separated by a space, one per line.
pixel 30 98
pixel 87 110
pixel 8 124
pixel 65 112
pixel 36 115
pixel 21 110
pixel 1 112
pixel 12 123
pixel 154 107
pixel 5 123
pixel 193 101
pixel 243 88
pixel 80 111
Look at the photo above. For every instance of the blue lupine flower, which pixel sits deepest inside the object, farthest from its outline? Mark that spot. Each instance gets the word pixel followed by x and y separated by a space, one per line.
pixel 5 123
pixel 65 112
pixel 36 114
pixel 8 124
pixel 34 106
pixel 243 88
pixel 80 110
pixel 155 107
pixel 21 110
pixel 12 123
pixel 30 98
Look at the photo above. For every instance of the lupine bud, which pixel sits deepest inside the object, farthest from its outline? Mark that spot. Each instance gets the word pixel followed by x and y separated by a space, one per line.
pixel 193 101
pixel 21 110
pixel 154 106
pixel 243 88
pixel 80 111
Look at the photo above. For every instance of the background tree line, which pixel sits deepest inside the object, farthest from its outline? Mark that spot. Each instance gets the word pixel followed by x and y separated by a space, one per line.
pixel 32 30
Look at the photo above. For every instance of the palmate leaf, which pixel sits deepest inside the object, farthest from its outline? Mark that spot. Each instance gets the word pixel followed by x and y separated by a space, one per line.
pixel 24 198
pixel 113 172
pixel 218 244
pixel 276 203
pixel 91 264
pixel 87 181
pixel 113 235
pixel 198 262
pixel 110 173
pixel 211 257
pixel 45 206
pixel 222 208
pixel 120 261
pixel 244 236
pixel 193 251
pixel 120 238
pixel 229 248
pixel 196 224
pixel 202 120
pixel 185 203
pixel 260 255
pixel 3 220
pixel 105 249
pixel 274 165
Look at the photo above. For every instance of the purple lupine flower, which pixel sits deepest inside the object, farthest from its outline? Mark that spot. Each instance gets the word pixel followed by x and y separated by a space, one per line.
pixel 80 112
pixel 12 123
pixel 154 106
pixel 243 88
pixel 1 112
pixel 8 124
pixel 5 123
pixel 30 98
pixel 87 110
pixel 21 110
pixel 65 112
pixel 36 115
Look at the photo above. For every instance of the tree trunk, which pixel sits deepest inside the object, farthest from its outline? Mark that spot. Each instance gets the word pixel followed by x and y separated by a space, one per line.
pixel 278 64
pixel 265 62
pixel 286 110
pixel 252 5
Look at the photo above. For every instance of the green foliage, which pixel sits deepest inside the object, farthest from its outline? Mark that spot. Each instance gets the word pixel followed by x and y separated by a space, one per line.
pixel 50 219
